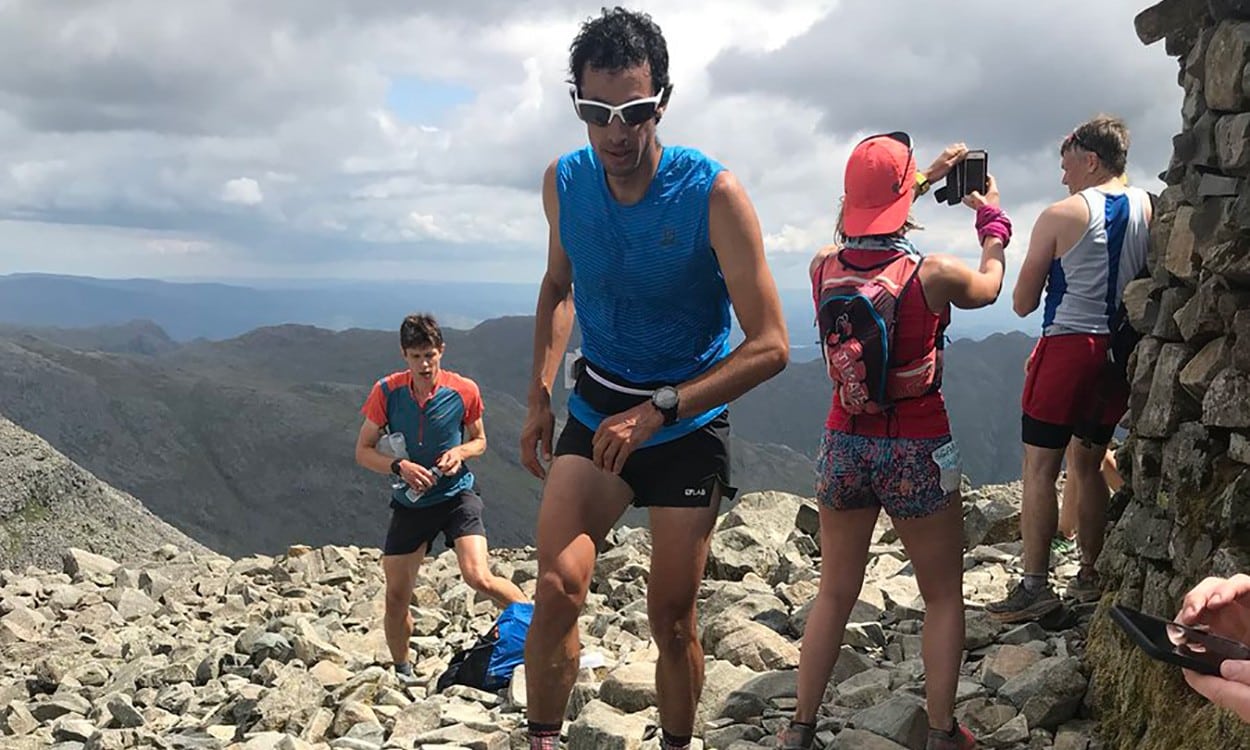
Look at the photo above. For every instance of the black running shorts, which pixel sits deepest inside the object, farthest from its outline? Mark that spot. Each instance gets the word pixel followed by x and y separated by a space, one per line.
pixel 412 529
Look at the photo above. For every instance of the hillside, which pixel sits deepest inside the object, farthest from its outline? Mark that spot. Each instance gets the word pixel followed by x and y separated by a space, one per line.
pixel 246 444
pixel 47 504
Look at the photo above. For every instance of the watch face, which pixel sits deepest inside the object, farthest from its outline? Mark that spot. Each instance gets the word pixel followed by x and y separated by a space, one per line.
pixel 665 398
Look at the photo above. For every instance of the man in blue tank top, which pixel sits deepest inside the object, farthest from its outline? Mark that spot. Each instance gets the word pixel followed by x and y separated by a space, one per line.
pixel 651 244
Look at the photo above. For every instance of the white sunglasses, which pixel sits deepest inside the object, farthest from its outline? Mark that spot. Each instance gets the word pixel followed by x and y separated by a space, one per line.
pixel 631 113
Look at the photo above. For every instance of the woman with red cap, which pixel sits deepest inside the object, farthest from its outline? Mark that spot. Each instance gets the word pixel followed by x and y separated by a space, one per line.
pixel 882 310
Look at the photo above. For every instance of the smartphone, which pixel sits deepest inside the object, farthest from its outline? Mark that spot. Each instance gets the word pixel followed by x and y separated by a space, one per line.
pixel 1188 647
pixel 970 175
pixel 976 173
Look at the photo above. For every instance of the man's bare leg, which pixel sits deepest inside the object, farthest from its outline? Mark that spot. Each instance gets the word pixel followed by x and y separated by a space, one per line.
pixel 579 506
pixel 1032 598
pixel 1070 503
pixel 1039 513
pixel 680 538
pixel 400 572
pixel 1086 471
pixel 471 554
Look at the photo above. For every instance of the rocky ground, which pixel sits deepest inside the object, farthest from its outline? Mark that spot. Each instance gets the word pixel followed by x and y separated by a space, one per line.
pixel 193 650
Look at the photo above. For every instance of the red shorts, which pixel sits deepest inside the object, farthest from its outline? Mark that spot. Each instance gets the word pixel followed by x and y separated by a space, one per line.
pixel 1068 391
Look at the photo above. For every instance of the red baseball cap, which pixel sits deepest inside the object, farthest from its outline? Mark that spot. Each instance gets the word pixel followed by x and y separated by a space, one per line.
pixel 880 178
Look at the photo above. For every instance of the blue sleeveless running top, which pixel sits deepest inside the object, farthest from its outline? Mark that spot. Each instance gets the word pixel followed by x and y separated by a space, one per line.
pixel 650 297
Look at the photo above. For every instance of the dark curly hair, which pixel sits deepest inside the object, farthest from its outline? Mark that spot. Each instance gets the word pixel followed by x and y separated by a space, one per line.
pixel 420 331
pixel 620 39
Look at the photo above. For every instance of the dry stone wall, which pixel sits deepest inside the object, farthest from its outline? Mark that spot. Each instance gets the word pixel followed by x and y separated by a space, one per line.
pixel 1186 511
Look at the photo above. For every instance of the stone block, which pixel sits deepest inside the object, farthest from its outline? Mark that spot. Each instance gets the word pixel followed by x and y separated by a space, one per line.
pixel 1229 302
pixel 1226 59
pixel 1239 447
pixel 1219 186
pixel 1212 222
pixel 1141 303
pixel 1180 259
pixel 1232 142
pixel 1157 246
pixel 1227 401
pixel 1213 358
pixel 1230 260
pixel 1199 320
pixel 1241 340
pixel 1187 459
pixel 1235 504
pixel 1241 212
pixel 1141 366
pixel 1167 405
pixel 1222 9
pixel 1171 302
pixel 1161 19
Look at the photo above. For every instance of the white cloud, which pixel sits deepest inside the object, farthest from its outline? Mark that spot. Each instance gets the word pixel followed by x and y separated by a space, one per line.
pixel 242 190
pixel 128 119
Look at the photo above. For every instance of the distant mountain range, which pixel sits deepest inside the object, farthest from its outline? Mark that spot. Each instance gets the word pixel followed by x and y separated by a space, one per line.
pixel 188 311
pixel 246 444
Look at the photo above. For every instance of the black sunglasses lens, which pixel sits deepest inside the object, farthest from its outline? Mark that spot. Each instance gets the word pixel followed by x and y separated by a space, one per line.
pixel 636 114
pixel 594 114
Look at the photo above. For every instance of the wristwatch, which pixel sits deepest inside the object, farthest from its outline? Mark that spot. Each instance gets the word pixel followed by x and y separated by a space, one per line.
pixel 922 184
pixel 395 466
pixel 665 400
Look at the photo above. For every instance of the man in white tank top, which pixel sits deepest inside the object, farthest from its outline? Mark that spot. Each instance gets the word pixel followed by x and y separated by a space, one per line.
pixel 1083 251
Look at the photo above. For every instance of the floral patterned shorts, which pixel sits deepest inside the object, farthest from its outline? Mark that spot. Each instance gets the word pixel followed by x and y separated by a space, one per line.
pixel 901 475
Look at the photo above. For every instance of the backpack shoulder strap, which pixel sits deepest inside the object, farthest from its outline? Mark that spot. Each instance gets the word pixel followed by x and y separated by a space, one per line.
pixel 902 295
pixel 891 258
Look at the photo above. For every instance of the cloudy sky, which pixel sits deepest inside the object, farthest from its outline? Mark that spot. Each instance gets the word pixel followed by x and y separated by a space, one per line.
pixel 375 139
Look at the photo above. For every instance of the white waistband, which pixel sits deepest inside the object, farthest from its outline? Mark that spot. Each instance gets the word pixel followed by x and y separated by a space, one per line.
pixel 590 370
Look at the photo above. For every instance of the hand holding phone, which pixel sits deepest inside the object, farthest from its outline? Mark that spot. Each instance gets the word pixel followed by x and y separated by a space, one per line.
pixel 946 161
pixel 969 175
pixel 1222 605
pixel 1193 648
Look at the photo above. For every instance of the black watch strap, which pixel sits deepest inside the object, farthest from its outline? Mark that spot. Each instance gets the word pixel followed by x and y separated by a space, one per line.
pixel 395 466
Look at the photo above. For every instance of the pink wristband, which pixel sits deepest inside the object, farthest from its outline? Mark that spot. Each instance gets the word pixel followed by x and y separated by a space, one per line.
pixel 992 221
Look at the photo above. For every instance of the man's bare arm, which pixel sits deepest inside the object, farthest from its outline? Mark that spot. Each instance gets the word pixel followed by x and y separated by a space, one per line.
pixel 368 456
pixel 734 230
pixel 553 319
pixel 475 444
pixel 367 453
pixel 1032 278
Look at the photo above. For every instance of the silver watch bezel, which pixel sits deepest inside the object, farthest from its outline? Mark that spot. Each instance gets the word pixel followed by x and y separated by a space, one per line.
pixel 665 398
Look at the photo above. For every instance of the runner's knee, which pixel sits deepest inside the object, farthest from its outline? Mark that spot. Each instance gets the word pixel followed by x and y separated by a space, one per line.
pixel 841 590
pixel 397 599
pixel 561 592
pixel 672 626
pixel 479 578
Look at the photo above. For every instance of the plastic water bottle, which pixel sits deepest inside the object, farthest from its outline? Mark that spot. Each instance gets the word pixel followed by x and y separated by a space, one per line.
pixel 394 445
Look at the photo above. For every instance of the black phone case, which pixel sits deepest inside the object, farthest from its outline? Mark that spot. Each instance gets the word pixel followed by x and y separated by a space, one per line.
pixel 1135 626
pixel 952 193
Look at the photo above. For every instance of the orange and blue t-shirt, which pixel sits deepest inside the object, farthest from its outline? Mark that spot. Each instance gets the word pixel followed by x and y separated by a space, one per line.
pixel 430 427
